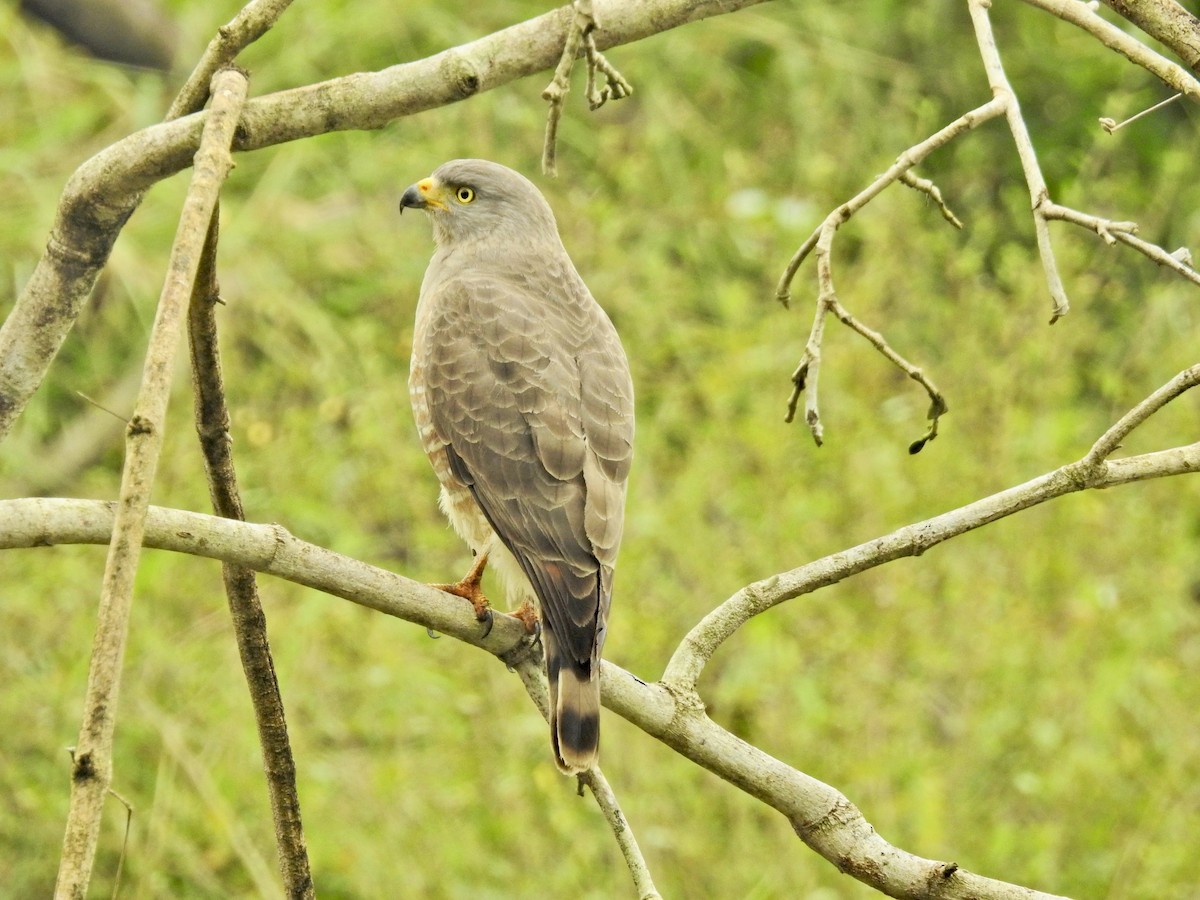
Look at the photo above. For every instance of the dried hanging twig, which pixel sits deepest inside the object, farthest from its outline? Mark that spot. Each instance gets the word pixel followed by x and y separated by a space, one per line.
pixel 580 32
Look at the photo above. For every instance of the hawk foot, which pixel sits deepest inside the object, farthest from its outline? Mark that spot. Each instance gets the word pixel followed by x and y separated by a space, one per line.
pixel 529 618
pixel 470 589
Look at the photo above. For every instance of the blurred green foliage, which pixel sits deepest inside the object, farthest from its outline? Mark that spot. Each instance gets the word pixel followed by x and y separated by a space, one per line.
pixel 1022 700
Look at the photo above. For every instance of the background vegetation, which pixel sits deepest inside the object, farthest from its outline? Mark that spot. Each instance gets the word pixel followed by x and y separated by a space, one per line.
pixel 1022 700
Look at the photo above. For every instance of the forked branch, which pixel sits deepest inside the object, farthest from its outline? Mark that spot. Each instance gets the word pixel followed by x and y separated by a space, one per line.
pixel 1093 471
pixel 805 377
pixel 671 710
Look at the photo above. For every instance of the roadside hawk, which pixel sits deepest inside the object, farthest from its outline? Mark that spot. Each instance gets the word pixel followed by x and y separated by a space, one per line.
pixel 523 400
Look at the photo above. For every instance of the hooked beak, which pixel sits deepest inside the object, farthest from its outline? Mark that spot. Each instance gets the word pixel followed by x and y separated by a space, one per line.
pixel 425 194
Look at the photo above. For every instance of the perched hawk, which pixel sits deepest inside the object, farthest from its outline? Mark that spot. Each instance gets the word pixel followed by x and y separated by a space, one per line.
pixel 523 399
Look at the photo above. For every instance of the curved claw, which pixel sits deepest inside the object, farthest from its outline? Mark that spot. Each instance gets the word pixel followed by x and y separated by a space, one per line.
pixel 433 634
pixel 488 620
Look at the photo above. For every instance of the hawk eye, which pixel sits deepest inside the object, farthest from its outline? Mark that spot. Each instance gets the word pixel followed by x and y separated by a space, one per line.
pixel 464 195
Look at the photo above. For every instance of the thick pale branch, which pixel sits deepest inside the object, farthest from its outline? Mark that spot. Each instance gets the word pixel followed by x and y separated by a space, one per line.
pixel 93 763
pixel 254 20
pixel 1166 21
pixel 1083 15
pixel 1092 471
pixel 821 816
pixel 106 189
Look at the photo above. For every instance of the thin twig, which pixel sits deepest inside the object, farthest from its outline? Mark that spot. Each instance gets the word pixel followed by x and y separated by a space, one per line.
pixel 1122 232
pixel 911 157
pixel 602 791
pixel 249 620
pixel 527 661
pixel 1111 126
pixel 93 764
pixel 556 92
pixel 925 186
pixel 616 87
pixel 937 403
pixel 806 376
pixel 1110 441
pixel 1043 208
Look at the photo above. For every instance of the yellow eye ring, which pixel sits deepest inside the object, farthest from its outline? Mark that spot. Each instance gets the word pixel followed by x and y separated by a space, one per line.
pixel 464 195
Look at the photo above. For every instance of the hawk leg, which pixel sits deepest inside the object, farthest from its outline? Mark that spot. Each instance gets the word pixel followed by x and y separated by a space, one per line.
pixel 469 588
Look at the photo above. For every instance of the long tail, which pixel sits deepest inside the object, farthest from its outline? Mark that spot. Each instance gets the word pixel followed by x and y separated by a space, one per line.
pixel 574 709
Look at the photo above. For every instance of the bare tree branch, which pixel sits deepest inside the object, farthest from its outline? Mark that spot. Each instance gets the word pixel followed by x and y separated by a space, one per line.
pixel 643 882
pixel 807 372
pixel 1083 15
pixel 254 20
pixel 581 32
pixel 92 767
pixel 820 815
pixel 671 710
pixel 106 189
pixel 241 587
pixel 1167 22
pixel 527 660
pixel 1093 471
pixel 805 377
pixel 1039 194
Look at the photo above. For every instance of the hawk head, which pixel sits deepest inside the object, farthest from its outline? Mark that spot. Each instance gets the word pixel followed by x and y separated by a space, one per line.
pixel 476 200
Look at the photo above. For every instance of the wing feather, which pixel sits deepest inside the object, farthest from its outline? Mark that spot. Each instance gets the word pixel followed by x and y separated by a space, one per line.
pixel 530 390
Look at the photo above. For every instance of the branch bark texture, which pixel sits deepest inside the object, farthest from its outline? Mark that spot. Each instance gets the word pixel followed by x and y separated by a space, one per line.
pixel 1167 22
